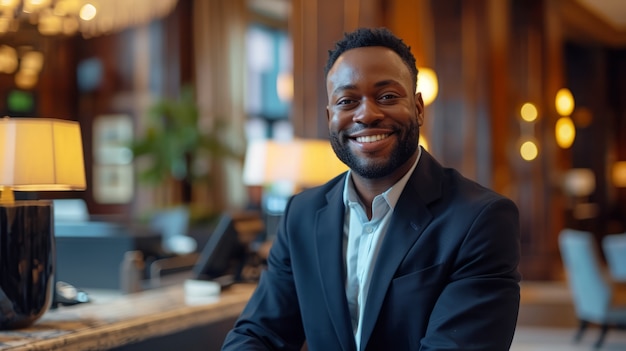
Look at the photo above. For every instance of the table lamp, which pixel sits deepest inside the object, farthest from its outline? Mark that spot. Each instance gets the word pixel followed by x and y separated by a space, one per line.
pixel 36 154
pixel 283 168
pixel 303 162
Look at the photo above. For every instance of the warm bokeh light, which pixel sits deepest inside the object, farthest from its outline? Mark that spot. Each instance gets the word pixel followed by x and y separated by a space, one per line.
pixel 618 174
pixel 8 59
pixel 564 102
pixel 88 12
pixel 528 112
pixel 49 24
pixel 89 17
pixel 8 4
pixel 284 86
pixel 529 150
pixel 26 78
pixel 30 6
pixel 423 142
pixel 427 84
pixel 565 132
pixel 579 182
pixel 32 60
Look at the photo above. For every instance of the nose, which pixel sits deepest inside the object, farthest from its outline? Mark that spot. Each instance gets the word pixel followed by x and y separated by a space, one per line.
pixel 368 112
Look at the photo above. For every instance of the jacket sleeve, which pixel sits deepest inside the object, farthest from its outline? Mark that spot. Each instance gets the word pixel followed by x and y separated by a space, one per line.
pixel 478 308
pixel 271 319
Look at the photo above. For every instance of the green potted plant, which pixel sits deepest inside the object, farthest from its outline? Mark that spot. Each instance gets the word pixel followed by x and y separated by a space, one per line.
pixel 173 144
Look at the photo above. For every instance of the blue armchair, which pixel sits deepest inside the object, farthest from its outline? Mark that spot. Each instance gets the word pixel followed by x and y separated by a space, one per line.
pixel 591 290
pixel 614 247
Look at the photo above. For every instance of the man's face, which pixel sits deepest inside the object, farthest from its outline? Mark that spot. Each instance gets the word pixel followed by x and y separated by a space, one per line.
pixel 373 112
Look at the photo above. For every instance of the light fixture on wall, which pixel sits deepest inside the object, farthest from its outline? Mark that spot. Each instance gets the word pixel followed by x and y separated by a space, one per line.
pixel 36 154
pixel 564 130
pixel 564 102
pixel 528 112
pixel 427 84
pixel 528 149
pixel 89 17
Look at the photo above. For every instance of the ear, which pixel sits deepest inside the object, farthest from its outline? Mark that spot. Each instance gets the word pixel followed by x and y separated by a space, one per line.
pixel 419 106
pixel 327 114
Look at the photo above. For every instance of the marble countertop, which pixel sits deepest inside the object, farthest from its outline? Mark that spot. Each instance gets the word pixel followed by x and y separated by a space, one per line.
pixel 112 322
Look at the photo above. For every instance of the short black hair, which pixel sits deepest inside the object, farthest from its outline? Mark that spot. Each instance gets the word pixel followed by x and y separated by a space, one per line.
pixel 363 37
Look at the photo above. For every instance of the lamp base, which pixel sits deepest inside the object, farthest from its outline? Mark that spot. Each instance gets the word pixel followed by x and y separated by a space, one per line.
pixel 27 261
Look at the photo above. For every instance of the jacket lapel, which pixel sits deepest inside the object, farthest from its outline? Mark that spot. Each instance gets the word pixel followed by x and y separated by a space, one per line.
pixel 329 252
pixel 410 217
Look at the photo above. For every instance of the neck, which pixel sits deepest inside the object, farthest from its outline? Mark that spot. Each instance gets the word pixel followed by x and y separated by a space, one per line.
pixel 367 188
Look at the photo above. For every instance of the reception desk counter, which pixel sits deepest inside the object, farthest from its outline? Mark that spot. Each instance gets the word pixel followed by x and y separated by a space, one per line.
pixel 148 320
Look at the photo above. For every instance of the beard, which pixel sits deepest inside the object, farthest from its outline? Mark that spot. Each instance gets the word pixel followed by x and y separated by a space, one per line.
pixel 406 146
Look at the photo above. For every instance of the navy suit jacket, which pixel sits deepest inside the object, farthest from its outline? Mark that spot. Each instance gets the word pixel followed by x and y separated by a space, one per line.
pixel 445 279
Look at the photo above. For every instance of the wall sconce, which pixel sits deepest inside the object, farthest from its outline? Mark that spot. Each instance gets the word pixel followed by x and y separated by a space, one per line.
pixel 528 112
pixel 565 131
pixel 564 102
pixel 427 84
pixel 529 150
pixel 36 154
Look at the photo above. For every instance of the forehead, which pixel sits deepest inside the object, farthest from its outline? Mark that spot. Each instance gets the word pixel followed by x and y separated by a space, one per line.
pixel 375 62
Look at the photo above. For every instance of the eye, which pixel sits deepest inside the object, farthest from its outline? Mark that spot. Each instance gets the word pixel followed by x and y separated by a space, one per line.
pixel 345 101
pixel 388 97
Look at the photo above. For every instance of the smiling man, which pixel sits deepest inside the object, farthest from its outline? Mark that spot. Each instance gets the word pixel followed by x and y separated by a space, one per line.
pixel 398 253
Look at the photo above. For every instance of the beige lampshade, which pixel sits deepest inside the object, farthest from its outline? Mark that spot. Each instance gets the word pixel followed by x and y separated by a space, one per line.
pixel 318 163
pixel 41 154
pixel 303 162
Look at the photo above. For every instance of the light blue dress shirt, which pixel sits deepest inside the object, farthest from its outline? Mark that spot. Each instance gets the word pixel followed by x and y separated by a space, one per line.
pixel 362 240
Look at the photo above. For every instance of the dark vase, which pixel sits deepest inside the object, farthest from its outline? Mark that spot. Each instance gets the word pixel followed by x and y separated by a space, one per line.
pixel 27 261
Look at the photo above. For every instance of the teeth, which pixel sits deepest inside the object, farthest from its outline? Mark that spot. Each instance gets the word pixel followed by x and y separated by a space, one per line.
pixel 371 138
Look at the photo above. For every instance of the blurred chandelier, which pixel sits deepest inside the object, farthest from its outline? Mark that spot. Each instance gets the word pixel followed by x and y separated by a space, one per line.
pixel 89 17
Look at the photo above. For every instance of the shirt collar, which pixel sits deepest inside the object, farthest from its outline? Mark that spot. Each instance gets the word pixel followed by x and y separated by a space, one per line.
pixel 391 195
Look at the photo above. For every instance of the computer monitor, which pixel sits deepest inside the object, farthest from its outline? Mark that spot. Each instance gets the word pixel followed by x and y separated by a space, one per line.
pixel 223 255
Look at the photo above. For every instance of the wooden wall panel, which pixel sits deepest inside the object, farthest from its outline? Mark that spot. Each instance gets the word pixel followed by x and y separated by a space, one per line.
pixel 491 57
pixel 315 26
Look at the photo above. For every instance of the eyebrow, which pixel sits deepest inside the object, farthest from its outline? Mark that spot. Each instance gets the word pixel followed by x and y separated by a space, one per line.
pixel 379 84
pixel 386 82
